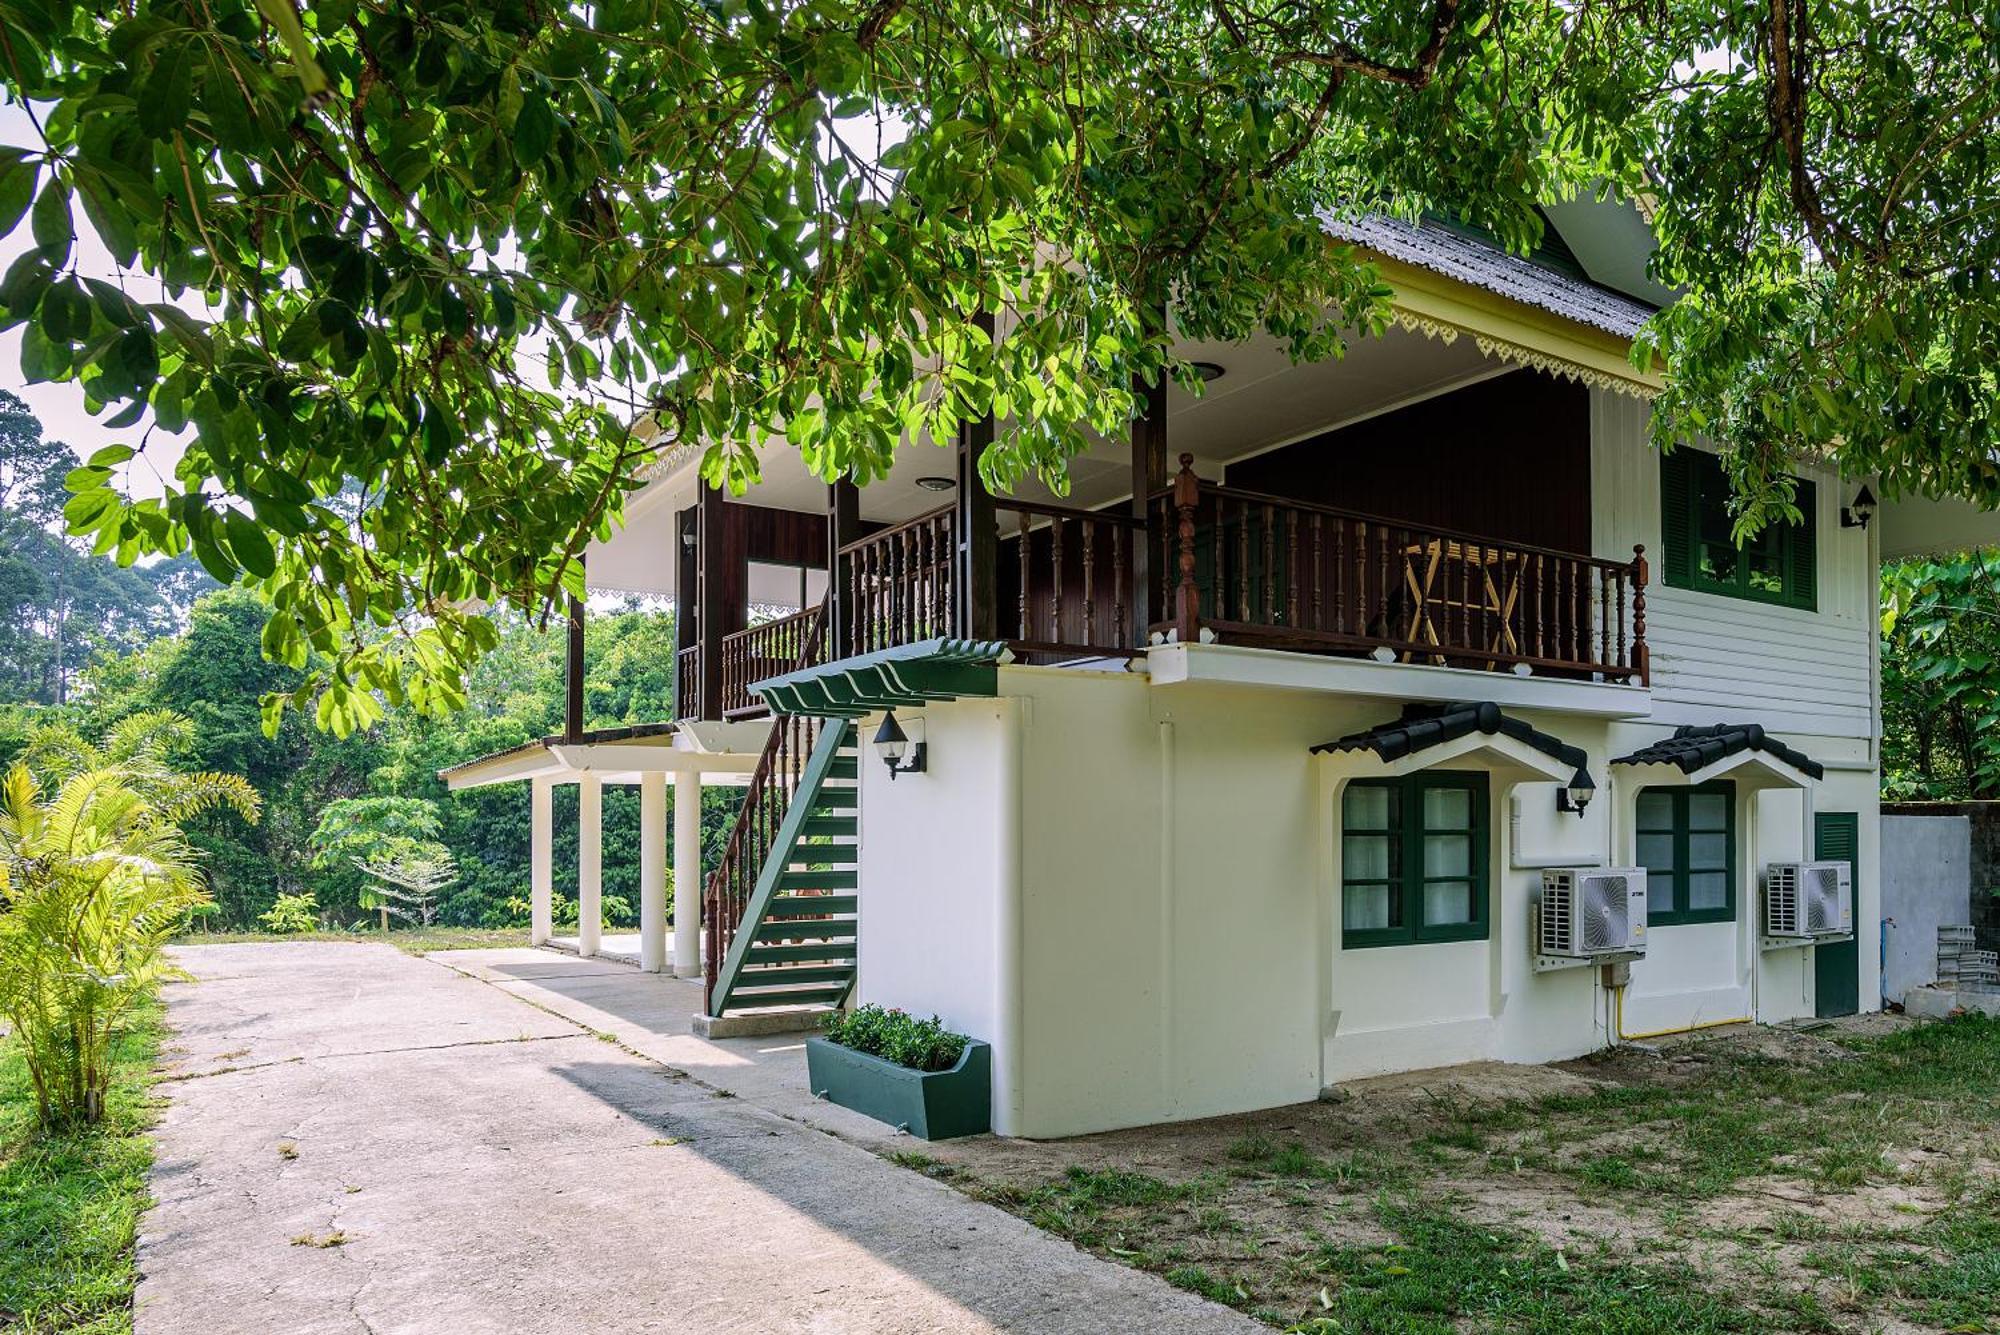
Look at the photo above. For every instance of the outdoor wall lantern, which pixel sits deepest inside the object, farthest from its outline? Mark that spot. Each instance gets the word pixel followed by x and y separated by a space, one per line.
pixel 1858 514
pixel 898 751
pixel 1576 796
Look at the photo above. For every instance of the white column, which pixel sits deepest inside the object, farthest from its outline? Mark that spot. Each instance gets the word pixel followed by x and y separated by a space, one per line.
pixel 652 871
pixel 541 841
pixel 589 864
pixel 688 880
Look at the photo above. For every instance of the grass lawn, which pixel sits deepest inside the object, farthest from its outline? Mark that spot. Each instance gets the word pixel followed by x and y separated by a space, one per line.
pixel 1847 1180
pixel 70 1205
pixel 415 940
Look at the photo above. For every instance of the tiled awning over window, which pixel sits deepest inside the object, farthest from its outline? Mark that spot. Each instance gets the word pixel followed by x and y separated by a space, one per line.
pixel 1696 748
pixel 1424 726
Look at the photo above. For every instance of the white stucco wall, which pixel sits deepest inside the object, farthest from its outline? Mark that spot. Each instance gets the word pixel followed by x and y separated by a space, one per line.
pixel 1176 953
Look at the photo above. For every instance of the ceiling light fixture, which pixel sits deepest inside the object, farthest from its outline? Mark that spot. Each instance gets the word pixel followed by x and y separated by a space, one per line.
pixel 934 482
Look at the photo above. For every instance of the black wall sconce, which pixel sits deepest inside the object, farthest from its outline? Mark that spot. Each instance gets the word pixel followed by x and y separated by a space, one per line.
pixel 898 752
pixel 1575 796
pixel 1861 511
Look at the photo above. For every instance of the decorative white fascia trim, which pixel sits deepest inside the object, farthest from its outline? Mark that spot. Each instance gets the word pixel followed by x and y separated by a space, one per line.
pixel 1558 366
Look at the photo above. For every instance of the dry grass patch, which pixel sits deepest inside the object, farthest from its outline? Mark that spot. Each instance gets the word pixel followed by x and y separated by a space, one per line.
pixel 1760 1180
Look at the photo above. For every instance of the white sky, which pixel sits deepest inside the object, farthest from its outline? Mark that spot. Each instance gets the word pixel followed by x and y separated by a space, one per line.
pixel 60 406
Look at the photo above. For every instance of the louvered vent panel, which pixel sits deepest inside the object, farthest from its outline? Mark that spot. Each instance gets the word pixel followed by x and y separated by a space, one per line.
pixel 1558 916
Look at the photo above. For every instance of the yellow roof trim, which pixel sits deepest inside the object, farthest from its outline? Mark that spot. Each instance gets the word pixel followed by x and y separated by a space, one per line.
pixel 1444 308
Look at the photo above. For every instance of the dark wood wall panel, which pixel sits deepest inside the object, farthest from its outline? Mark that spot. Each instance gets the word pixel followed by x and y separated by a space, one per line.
pixel 1507 458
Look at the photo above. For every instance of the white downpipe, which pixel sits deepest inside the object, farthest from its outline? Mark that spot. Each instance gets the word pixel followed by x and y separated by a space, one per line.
pixel 688 880
pixel 589 864
pixel 1008 1100
pixel 541 879
pixel 652 871
pixel 1169 1076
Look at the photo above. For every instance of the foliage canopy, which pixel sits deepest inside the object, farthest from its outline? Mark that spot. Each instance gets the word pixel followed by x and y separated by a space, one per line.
pixel 437 280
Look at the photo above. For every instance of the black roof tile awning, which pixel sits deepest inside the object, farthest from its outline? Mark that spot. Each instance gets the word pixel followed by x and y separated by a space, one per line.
pixel 1694 748
pixel 1425 726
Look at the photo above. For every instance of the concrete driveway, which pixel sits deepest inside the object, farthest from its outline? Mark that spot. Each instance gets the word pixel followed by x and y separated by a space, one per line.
pixel 360 1140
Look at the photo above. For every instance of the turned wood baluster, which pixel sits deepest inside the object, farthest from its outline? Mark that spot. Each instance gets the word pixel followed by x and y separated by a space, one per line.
pixel 1055 579
pixel 1292 570
pixel 1620 659
pixel 1243 561
pixel 1120 536
pixel 1087 634
pixel 1642 661
pixel 1319 577
pixel 1270 567
pixel 1026 622
pixel 1187 594
pixel 1603 616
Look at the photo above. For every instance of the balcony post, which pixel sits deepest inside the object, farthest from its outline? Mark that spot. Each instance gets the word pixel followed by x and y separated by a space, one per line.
pixel 1149 476
pixel 978 536
pixel 711 556
pixel 843 526
pixel 1642 657
pixel 573 674
pixel 1187 594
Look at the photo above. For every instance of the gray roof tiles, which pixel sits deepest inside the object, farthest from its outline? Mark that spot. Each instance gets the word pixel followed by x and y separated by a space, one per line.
pixel 1454 255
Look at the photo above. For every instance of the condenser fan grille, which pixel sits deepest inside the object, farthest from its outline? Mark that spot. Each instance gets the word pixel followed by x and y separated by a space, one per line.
pixel 1823 899
pixel 1606 913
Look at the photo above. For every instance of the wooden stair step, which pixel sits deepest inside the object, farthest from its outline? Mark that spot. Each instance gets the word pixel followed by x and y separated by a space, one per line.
pixel 804 995
pixel 830 827
pixel 832 952
pixel 792 973
pixel 833 800
pixel 837 931
pixel 832 878
pixel 809 906
pixel 846 765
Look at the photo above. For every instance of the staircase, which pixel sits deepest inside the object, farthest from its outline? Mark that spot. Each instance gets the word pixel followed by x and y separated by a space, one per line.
pixel 793 941
pixel 779 909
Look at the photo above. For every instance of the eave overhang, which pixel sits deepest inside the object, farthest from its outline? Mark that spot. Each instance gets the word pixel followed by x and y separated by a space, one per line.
pixel 901 677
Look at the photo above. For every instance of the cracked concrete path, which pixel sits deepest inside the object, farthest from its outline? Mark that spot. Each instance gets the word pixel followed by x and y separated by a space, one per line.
pixel 356 1140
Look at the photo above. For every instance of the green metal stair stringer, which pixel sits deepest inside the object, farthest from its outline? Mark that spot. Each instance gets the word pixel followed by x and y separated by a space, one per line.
pixel 805 807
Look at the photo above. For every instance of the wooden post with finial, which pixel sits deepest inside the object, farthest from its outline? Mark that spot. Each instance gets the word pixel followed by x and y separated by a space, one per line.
pixel 1187 595
pixel 1642 660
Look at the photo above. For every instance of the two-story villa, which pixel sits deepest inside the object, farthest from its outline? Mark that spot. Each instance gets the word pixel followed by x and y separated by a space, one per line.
pixel 1234 773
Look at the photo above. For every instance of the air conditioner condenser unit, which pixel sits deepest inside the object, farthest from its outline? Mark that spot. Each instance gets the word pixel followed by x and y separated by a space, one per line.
pixel 1590 913
pixel 1803 900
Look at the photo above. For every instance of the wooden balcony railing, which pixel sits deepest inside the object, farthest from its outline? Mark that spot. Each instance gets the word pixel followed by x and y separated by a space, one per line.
pixel 900 583
pixel 687 682
pixel 1264 570
pixel 1072 580
pixel 766 650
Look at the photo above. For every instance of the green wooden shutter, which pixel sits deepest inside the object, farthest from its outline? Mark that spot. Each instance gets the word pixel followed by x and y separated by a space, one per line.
pixel 1677 518
pixel 1837 965
pixel 1802 548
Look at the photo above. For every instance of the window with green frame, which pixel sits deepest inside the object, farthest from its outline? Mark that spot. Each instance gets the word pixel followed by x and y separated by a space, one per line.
pixel 1413 857
pixel 1699 551
pixel 1687 844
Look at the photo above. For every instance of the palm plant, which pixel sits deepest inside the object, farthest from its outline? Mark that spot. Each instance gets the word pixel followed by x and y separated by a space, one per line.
pixel 95 878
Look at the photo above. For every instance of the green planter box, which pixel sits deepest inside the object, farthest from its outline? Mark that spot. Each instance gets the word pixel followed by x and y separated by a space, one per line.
pixel 932 1105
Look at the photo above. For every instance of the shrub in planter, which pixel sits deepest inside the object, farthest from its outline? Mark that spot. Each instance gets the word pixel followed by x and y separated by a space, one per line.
pixel 896 1036
pixel 910 1073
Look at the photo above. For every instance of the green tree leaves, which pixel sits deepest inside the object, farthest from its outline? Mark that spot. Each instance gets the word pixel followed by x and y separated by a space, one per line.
pixel 374 225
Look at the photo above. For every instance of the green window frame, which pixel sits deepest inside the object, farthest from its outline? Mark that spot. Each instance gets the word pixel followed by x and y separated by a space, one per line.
pixel 1780 565
pixel 1413 864
pixel 1687 844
